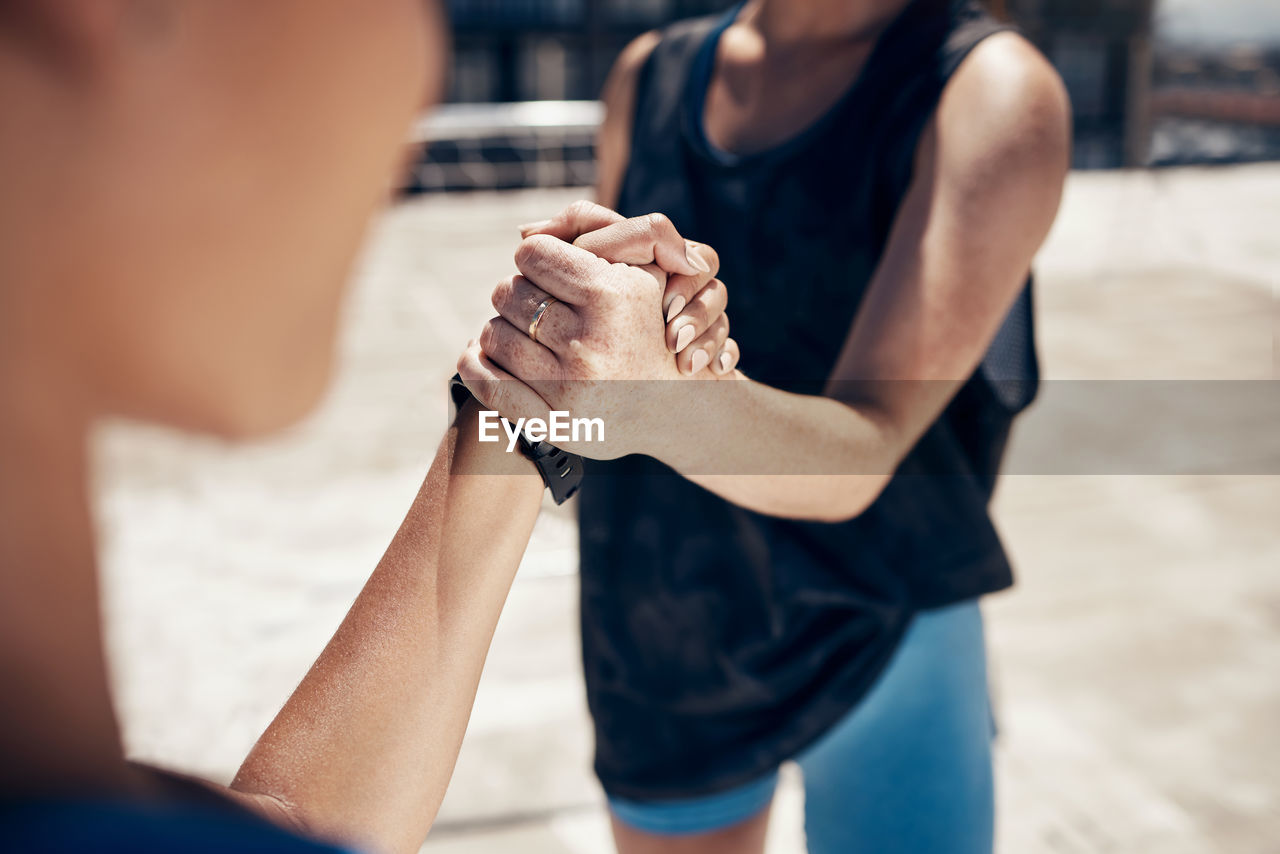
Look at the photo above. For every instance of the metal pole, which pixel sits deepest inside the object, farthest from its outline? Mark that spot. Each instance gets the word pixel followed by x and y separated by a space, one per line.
pixel 1137 121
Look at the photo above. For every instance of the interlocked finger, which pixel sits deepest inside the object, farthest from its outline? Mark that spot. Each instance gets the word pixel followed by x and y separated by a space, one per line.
pixel 542 317
pixel 705 348
pixel 697 317
pixel 511 349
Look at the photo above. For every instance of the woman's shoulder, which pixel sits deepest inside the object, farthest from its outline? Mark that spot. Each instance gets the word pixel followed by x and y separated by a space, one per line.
pixel 1005 100
pixel 628 64
pixel 631 61
pixel 633 58
pixel 1005 78
pixel 613 143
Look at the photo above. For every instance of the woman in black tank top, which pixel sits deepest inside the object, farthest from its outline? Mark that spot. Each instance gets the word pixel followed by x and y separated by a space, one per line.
pixel 876 177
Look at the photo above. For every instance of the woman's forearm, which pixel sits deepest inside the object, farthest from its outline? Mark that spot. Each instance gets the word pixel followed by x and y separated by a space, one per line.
pixel 782 454
pixel 363 750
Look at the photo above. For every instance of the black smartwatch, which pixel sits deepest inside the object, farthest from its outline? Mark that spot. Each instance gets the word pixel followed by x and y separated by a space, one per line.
pixel 561 471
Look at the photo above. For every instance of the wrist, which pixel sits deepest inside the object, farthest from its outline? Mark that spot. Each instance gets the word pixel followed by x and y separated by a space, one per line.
pixel 682 423
pixel 471 456
pixel 559 470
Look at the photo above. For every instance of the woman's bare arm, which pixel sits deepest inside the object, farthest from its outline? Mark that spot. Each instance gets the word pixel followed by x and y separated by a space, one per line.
pixel 363 750
pixel 988 180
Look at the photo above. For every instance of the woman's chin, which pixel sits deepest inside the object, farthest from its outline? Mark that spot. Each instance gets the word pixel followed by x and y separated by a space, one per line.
pixel 259 410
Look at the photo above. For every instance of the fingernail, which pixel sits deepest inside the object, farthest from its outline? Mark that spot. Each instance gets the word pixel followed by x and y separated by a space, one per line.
pixel 684 337
pixel 700 360
pixel 534 226
pixel 694 259
pixel 676 305
pixel 726 362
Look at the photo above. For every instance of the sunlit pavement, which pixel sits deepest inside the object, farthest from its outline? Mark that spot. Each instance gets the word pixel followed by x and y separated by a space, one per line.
pixel 1135 665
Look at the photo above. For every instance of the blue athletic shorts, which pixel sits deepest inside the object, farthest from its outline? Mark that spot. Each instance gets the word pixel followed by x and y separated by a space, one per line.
pixel 908 769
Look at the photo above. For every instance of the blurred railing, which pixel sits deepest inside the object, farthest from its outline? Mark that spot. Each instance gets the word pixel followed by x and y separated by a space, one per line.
pixel 507 146
pixel 1246 108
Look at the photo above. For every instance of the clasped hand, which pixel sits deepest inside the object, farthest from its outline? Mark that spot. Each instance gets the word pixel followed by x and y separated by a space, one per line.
pixel 629 309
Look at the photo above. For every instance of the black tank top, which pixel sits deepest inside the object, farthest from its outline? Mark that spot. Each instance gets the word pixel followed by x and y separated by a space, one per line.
pixel 718 642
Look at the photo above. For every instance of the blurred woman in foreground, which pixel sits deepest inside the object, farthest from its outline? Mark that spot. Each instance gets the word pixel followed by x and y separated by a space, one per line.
pixel 185 187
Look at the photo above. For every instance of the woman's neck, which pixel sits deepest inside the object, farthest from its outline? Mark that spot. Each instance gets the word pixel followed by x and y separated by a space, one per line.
pixel 805 21
pixel 58 731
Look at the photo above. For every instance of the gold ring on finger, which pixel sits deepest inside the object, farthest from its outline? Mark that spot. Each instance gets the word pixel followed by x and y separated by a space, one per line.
pixel 537 316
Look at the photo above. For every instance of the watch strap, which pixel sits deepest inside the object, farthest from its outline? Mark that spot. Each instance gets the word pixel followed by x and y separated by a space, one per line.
pixel 561 471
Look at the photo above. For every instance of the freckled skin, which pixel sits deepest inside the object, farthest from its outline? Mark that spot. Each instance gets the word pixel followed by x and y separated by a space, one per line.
pixel 608 357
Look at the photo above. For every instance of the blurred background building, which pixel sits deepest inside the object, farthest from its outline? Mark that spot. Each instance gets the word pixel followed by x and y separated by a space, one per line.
pixel 1164 83
pixel 552 54
pixel 541 50
pixel 1153 82
pixel 1103 50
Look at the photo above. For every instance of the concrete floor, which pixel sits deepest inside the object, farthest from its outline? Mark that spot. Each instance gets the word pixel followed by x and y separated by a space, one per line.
pixel 1136 665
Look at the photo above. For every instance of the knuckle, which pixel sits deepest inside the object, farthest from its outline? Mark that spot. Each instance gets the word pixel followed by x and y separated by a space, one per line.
pixel 525 251
pixel 581 207
pixel 660 222
pixel 701 312
pixel 498 396
pixel 715 296
pixel 584 345
pixel 530 305
pixel 533 248
pixel 569 330
pixel 502 294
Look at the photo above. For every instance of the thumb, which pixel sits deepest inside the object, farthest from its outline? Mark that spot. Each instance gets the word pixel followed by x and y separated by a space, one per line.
pixel 574 221
pixel 651 239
